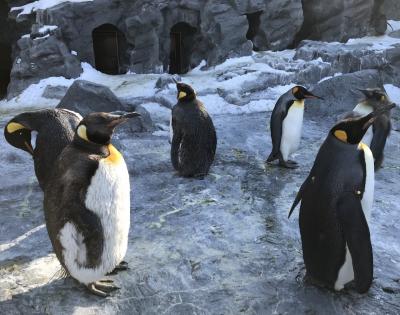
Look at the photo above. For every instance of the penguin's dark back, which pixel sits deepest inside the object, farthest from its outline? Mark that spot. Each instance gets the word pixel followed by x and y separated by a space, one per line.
pixel 337 170
pixel 54 134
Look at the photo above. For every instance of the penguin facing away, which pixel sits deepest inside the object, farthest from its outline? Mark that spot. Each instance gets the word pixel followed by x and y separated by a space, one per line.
pixel 87 203
pixel 286 125
pixel 336 203
pixel 194 139
pixel 55 130
pixel 377 134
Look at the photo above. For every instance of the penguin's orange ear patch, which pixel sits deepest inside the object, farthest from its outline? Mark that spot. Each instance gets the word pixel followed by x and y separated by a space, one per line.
pixel 341 135
pixel 13 127
pixel 295 90
pixel 115 156
pixel 383 98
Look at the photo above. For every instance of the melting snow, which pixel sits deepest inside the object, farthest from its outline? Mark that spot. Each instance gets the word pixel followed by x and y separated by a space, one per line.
pixel 41 4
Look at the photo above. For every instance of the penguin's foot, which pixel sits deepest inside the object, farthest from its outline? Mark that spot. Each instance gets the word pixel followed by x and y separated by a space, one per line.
pixel 123 265
pixel 102 288
pixel 288 164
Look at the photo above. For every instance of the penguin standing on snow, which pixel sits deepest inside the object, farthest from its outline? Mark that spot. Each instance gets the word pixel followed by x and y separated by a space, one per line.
pixel 336 202
pixel 194 140
pixel 87 203
pixel 377 134
pixel 55 130
pixel 286 125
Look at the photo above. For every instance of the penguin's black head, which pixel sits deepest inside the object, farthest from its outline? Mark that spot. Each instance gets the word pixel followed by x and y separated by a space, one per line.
pixel 301 93
pixel 185 92
pixel 18 134
pixel 352 130
pixel 375 97
pixel 99 127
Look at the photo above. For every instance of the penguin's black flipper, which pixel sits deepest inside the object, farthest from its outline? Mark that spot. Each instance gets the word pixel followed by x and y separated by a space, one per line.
pixel 176 143
pixel 299 196
pixel 381 130
pixel 89 226
pixel 278 115
pixel 356 233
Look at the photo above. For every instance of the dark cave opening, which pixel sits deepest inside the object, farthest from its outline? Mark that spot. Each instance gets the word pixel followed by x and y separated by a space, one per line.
pixel 5 50
pixel 181 48
pixel 109 47
pixel 5 68
pixel 254 26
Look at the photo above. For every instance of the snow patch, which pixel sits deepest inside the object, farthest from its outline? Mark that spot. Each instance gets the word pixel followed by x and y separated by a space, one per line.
pixel 393 93
pixel 41 5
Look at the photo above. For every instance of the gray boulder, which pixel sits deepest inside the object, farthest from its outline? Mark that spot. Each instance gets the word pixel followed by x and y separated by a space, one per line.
pixel 392 9
pixel 41 58
pixel 339 20
pixel 85 97
pixel 340 93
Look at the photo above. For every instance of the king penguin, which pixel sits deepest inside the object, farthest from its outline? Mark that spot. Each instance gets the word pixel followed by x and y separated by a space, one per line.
pixel 336 203
pixel 87 203
pixel 55 130
pixel 377 134
pixel 286 125
pixel 194 139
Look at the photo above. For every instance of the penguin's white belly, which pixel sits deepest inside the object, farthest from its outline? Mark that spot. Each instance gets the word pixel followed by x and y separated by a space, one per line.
pixel 369 188
pixel 108 196
pixel 291 130
pixel 346 272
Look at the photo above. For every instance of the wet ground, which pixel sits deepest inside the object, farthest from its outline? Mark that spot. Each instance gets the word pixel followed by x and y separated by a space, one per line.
pixel 222 245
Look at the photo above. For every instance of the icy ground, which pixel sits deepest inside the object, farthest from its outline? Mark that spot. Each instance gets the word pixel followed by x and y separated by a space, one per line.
pixel 222 245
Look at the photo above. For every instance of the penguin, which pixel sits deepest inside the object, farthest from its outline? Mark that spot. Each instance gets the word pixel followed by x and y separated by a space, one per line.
pixel 336 203
pixel 87 203
pixel 55 130
pixel 377 134
pixel 286 125
pixel 194 140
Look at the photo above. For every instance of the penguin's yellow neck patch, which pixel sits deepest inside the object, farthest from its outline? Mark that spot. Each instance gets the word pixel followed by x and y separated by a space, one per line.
pixel 341 135
pixel 181 95
pixel 82 132
pixel 298 103
pixel 115 156
pixel 13 127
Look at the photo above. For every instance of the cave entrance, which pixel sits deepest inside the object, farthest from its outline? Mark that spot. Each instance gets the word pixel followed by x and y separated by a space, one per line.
pixel 182 40
pixel 254 26
pixel 5 68
pixel 109 46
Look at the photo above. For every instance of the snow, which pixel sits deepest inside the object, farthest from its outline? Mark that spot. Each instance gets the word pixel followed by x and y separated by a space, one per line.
pixel 393 93
pixel 41 5
pixel 47 28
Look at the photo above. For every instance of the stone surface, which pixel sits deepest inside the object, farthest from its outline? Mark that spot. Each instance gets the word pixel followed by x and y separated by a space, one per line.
pixel 220 31
pixel 57 92
pixel 340 93
pixel 392 9
pixel 85 97
pixel 339 20
pixel 40 58
pixel 222 245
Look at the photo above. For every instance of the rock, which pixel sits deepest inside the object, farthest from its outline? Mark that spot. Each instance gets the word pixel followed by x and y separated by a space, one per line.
pixel 56 92
pixel 339 20
pixel 165 79
pixel 392 9
pixel 142 123
pixel 343 58
pixel 340 94
pixel 85 97
pixel 41 58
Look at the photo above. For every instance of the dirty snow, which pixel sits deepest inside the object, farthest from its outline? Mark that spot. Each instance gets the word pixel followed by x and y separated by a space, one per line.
pixel 41 5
